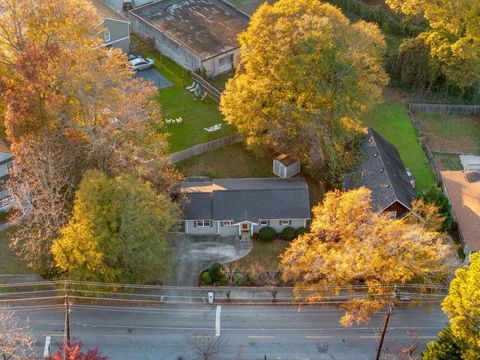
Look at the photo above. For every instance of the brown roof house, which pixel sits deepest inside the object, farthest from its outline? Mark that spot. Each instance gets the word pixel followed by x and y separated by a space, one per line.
pixel 382 171
pixel 463 190
pixel 196 34
pixel 117 27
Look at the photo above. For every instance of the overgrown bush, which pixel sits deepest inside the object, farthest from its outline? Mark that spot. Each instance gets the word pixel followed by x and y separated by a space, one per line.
pixel 460 253
pixel 437 197
pixel 3 215
pixel 300 231
pixel 288 233
pixel 206 279
pixel 238 278
pixel 223 279
pixel 267 233
pixel 215 271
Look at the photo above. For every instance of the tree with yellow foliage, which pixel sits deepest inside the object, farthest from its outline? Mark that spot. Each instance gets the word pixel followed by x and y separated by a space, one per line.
pixel 306 75
pixel 117 232
pixel 452 36
pixel 349 244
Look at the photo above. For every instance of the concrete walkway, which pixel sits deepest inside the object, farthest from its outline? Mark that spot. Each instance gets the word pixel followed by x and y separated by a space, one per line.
pixel 194 254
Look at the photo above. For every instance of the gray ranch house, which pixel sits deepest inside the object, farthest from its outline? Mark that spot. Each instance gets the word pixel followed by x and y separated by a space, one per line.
pixel 230 207
pixel 196 34
pixel 117 27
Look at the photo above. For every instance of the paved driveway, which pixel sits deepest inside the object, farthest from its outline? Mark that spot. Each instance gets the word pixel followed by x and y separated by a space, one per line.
pixel 196 253
pixel 159 81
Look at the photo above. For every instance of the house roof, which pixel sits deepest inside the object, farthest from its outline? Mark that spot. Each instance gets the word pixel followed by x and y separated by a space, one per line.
pixel 465 199
pixel 382 171
pixel 205 27
pixel 285 159
pixel 4 148
pixel 246 199
pixel 106 12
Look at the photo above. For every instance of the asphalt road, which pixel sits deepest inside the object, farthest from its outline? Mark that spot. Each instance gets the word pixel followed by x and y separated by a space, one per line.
pixel 250 332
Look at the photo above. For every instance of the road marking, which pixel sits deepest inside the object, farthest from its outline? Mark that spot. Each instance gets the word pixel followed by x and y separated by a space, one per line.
pixel 46 349
pixel 52 335
pixel 424 337
pixel 318 337
pixel 261 337
pixel 217 320
pixel 369 336
pixel 203 337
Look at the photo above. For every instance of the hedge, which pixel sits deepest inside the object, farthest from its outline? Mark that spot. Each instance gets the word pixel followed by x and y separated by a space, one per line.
pixel 267 233
pixel 288 233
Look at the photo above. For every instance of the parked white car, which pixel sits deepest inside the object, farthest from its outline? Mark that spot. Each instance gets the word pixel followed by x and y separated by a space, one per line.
pixel 141 64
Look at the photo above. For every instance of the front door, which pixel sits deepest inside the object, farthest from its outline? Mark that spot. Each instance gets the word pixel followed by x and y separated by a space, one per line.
pixel 245 227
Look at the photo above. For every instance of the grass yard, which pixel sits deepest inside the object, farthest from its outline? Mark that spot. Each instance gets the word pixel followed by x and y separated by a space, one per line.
pixel 235 161
pixel 176 102
pixel 264 252
pixel 9 262
pixel 447 161
pixel 391 120
pixel 451 133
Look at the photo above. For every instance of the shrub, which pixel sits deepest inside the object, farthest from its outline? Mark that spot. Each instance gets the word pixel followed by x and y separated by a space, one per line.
pixel 238 278
pixel 3 215
pixel 267 233
pixel 215 271
pixel 436 196
pixel 223 279
pixel 460 253
pixel 288 234
pixel 206 279
pixel 300 231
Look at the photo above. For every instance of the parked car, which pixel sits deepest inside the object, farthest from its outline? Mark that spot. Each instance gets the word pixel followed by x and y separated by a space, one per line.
pixel 141 64
pixel 410 177
pixel 133 57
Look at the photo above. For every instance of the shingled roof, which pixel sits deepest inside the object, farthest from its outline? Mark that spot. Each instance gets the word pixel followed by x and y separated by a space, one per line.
pixel 382 171
pixel 246 199
pixel 205 27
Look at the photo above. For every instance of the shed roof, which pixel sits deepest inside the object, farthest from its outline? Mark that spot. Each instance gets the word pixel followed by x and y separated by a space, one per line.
pixel 382 171
pixel 465 199
pixel 285 159
pixel 246 199
pixel 205 27
pixel 106 12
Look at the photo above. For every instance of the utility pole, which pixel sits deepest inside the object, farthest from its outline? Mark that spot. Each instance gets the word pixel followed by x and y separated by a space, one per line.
pixel 66 331
pixel 385 324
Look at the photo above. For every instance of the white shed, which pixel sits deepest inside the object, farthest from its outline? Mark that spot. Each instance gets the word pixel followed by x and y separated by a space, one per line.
pixel 285 166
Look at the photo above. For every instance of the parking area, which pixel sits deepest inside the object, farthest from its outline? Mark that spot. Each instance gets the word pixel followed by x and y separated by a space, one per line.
pixel 158 80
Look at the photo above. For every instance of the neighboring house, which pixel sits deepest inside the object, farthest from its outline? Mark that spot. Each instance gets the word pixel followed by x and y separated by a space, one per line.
pixel 285 166
pixel 6 162
pixel 117 27
pixel 463 191
pixel 382 171
pixel 196 34
pixel 234 206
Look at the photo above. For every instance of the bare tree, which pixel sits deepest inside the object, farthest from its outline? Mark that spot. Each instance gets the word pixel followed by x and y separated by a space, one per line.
pixel 269 279
pixel 16 340
pixel 206 347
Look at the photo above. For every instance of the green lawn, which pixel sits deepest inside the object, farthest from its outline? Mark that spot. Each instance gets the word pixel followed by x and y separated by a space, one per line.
pixel 264 252
pixel 176 102
pixel 9 262
pixel 447 161
pixel 391 120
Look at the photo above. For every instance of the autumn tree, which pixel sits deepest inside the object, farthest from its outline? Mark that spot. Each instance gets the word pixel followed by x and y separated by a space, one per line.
pixel 445 347
pixel 306 75
pixel 349 244
pixel 117 232
pixel 452 36
pixel 16 339
pixel 74 351
pixel 428 214
pixel 461 306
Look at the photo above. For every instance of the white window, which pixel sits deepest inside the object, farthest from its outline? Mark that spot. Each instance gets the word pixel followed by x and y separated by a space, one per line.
pixel 284 222
pixel 106 36
pixel 226 63
pixel 264 222
pixel 203 223
pixel 227 222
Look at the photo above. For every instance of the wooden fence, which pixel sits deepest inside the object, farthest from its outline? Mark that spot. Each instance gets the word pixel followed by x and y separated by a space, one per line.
pixel 212 91
pixel 445 109
pixel 202 148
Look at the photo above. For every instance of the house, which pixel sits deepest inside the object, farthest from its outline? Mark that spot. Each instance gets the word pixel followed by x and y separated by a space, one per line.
pixel 382 171
pixel 196 34
pixel 463 190
pixel 6 163
pixel 227 207
pixel 285 166
pixel 117 27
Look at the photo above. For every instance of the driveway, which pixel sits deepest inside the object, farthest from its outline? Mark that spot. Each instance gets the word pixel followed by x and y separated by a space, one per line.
pixel 158 80
pixel 193 254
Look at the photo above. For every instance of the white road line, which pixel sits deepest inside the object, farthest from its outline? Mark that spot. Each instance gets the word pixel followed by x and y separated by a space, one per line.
pixel 217 320
pixel 46 349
